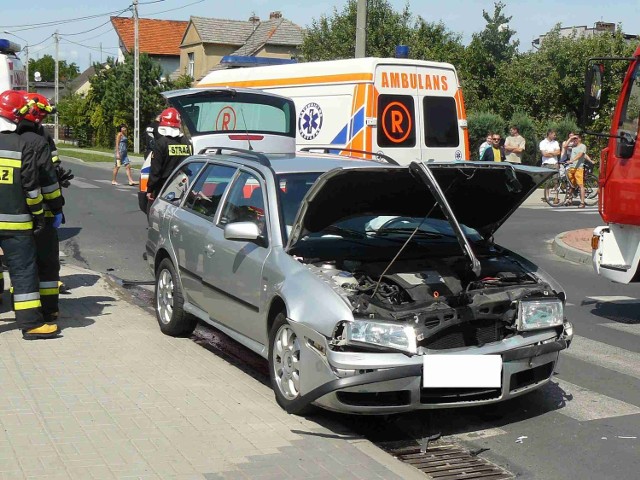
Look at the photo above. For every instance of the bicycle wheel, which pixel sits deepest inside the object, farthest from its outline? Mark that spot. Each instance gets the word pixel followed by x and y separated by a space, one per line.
pixel 590 189
pixel 553 192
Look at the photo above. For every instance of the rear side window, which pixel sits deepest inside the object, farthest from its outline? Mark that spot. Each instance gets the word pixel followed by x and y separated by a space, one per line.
pixel 207 192
pixel 396 121
pixel 179 184
pixel 440 122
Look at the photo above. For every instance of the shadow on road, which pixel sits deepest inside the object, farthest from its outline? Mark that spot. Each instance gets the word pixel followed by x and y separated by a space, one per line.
pixel 621 311
pixel 65 233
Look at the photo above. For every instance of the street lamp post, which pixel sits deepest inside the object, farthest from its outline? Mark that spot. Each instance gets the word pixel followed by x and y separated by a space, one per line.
pixel 26 52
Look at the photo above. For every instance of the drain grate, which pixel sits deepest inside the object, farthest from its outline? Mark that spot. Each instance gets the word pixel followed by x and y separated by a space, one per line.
pixel 450 462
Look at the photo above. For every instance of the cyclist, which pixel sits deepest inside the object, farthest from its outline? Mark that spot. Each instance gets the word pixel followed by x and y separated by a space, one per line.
pixel 576 168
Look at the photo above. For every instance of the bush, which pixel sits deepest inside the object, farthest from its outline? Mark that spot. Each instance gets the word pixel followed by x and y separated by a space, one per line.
pixel 479 124
pixel 527 128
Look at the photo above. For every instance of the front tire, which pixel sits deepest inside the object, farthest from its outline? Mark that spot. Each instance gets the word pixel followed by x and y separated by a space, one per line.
pixel 169 302
pixel 284 364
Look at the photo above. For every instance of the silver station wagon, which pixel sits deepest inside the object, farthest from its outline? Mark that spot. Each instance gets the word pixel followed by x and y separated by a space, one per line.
pixel 370 287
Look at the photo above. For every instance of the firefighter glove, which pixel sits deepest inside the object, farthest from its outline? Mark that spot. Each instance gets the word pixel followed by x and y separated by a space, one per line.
pixel 64 176
pixel 39 224
pixel 57 220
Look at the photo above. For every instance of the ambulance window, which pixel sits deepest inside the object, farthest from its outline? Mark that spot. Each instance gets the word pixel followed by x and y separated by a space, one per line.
pixel 440 122
pixel 396 121
pixel 207 192
pixel 175 189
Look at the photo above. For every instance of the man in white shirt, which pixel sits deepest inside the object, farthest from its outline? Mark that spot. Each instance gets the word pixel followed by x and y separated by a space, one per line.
pixel 486 144
pixel 550 149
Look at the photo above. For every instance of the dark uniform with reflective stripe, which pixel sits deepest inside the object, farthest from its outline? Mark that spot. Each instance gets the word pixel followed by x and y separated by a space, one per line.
pixel 21 198
pixel 167 154
pixel 47 245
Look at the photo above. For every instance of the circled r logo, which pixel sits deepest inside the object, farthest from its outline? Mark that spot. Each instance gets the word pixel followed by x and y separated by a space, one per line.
pixel 310 121
pixel 226 119
pixel 396 122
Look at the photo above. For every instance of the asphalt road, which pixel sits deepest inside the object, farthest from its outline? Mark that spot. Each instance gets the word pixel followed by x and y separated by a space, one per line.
pixel 585 424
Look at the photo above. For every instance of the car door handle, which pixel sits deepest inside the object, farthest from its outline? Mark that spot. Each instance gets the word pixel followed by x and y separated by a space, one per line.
pixel 175 230
pixel 210 250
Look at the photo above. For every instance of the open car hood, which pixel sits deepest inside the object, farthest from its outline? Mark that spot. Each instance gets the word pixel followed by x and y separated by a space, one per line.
pixel 481 195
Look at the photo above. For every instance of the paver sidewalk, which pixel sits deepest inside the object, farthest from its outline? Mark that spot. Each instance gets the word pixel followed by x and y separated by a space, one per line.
pixel 115 398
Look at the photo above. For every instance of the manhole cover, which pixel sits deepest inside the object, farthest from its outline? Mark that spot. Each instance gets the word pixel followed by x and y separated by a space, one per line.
pixel 450 462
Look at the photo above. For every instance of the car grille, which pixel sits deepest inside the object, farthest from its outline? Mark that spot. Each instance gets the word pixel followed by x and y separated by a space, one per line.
pixel 470 334
pixel 456 395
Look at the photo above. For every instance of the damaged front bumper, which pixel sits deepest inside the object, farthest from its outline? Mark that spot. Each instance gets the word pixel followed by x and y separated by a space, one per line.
pixel 384 383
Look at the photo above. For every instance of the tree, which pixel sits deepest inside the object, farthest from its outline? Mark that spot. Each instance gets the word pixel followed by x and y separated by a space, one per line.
pixel 110 100
pixel 47 68
pixel 333 37
pixel 487 51
pixel 72 111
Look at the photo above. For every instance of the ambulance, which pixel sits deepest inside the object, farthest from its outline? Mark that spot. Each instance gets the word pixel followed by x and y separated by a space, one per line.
pixel 407 109
pixel 12 73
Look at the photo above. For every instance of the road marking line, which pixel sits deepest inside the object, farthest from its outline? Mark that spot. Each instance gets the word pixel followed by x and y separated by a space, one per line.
pixel 623 327
pixel 612 298
pixel 80 184
pixel 586 405
pixel 605 356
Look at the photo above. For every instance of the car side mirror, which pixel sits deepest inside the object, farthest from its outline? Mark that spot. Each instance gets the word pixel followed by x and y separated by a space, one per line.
pixel 245 231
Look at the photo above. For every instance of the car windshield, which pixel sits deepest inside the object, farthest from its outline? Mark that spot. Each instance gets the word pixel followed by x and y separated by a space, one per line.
pixel 388 228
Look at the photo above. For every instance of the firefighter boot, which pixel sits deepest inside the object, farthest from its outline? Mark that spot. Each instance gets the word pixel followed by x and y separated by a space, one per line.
pixel 42 332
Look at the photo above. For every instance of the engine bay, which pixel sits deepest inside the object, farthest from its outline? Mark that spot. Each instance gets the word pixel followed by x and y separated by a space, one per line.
pixel 447 305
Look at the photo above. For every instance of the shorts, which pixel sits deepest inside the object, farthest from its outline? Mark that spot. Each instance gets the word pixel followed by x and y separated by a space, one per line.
pixel 576 176
pixel 123 161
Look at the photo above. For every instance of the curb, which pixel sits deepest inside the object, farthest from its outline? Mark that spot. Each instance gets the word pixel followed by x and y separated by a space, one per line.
pixel 568 252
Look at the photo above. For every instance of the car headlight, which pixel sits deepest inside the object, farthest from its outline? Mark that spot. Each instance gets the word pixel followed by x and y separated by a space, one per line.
pixel 381 334
pixel 536 314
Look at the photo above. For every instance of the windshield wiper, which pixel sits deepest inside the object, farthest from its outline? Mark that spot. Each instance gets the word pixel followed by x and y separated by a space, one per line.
pixel 408 231
pixel 346 231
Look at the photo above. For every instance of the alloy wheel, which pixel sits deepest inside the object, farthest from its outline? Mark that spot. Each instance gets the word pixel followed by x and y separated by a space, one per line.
pixel 164 296
pixel 286 362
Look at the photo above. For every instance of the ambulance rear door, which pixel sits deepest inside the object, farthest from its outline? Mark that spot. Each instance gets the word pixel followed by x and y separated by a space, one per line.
pixel 442 137
pixel 398 125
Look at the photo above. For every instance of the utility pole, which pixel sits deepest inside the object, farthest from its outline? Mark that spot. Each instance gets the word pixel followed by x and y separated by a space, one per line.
pixel 361 29
pixel 136 81
pixel 57 75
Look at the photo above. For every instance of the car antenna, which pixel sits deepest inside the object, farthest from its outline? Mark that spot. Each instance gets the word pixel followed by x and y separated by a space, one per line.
pixel 245 127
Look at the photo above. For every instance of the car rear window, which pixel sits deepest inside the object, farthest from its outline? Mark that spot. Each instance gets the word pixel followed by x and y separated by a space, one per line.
pixel 216 112
pixel 207 192
pixel 440 122
pixel 176 188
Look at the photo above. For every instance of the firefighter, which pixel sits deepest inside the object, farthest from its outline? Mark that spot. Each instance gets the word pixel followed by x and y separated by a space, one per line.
pixel 47 246
pixel 21 215
pixel 171 148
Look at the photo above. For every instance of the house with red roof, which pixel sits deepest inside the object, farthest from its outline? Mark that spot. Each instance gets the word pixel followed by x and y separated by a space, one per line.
pixel 160 39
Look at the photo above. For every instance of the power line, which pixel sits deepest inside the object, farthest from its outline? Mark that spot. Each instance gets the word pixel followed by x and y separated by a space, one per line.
pixel 90 47
pixel 30 26
pixel 99 26
pixel 172 9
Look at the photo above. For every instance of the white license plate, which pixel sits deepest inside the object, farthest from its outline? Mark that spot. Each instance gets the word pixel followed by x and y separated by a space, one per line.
pixel 462 371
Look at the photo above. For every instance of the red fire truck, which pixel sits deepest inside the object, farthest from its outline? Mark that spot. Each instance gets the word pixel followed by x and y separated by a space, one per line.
pixel 616 246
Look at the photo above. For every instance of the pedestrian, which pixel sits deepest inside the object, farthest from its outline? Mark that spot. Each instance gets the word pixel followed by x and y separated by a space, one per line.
pixel 122 158
pixel 565 152
pixel 496 152
pixel 514 145
pixel 576 168
pixel 484 145
pixel 47 243
pixel 22 215
pixel 549 149
pixel 170 149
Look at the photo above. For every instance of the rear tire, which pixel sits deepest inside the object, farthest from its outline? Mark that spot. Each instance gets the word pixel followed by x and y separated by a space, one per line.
pixel 284 365
pixel 553 192
pixel 590 190
pixel 169 302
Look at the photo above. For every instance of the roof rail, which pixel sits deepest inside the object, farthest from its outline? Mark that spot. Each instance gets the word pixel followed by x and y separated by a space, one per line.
pixel 261 158
pixel 386 158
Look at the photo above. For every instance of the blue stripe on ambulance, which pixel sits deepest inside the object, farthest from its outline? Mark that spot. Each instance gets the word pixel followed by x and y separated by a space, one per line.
pixel 356 123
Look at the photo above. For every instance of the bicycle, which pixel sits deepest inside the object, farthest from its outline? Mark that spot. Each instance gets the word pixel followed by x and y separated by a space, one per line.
pixel 556 191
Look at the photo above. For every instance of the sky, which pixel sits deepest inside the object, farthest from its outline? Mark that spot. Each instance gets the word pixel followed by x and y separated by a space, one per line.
pixel 86 40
